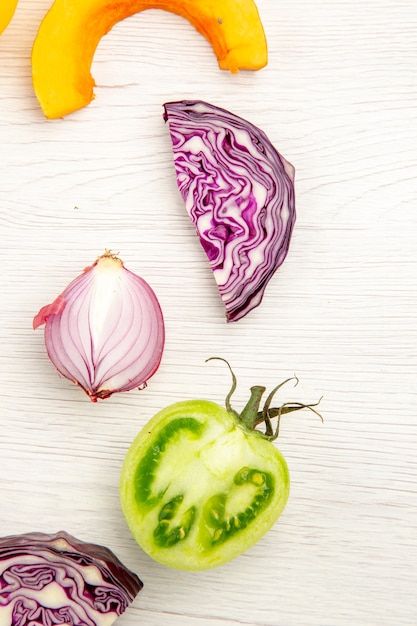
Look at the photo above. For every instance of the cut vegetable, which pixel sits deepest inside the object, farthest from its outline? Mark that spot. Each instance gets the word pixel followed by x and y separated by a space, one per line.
pixel 239 193
pixel 7 10
pixel 106 331
pixel 69 34
pixel 201 484
pixel 48 580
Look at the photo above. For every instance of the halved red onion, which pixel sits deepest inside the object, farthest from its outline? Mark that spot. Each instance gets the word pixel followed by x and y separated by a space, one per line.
pixel 105 332
pixel 239 193
pixel 48 580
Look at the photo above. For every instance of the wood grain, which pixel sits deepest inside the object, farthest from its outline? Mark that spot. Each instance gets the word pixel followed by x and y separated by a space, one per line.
pixel 338 99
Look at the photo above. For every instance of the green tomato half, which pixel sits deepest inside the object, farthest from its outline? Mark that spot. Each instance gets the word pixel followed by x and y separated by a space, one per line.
pixel 201 484
pixel 198 488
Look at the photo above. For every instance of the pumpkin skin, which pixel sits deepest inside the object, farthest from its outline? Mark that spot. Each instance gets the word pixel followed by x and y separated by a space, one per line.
pixel 71 30
pixel 7 9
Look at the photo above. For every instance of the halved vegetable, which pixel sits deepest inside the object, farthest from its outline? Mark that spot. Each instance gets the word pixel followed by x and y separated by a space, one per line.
pixel 239 193
pixel 58 579
pixel 201 483
pixel 105 332
pixel 71 30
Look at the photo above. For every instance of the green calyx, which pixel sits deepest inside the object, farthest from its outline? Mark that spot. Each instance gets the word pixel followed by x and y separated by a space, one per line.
pixel 252 415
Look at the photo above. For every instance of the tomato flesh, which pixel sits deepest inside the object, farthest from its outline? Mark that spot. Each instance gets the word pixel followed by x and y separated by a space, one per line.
pixel 197 488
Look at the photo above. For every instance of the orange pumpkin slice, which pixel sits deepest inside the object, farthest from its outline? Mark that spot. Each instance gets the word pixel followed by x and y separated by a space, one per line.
pixel 70 32
pixel 7 9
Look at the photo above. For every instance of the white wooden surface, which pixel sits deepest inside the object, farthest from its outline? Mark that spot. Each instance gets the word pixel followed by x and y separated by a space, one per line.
pixel 339 100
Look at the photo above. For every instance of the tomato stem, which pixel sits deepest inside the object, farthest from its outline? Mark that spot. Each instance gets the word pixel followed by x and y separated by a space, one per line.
pixel 252 416
pixel 233 387
pixel 287 407
pixel 248 416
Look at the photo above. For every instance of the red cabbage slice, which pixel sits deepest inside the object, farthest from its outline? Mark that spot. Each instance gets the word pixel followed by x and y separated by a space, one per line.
pixel 47 580
pixel 239 193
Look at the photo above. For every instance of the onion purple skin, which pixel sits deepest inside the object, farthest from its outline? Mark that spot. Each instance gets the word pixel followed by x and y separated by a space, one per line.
pixel 58 579
pixel 239 193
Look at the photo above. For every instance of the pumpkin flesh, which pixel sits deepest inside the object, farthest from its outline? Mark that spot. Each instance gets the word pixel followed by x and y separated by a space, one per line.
pixel 70 32
pixel 7 9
